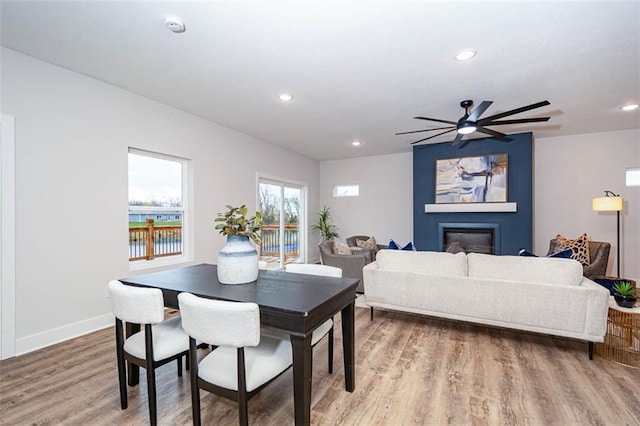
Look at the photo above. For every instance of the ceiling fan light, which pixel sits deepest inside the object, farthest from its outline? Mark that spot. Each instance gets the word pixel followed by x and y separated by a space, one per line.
pixel 467 129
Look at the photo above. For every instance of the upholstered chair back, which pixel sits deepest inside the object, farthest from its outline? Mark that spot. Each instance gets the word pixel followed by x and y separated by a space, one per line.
pixel 598 257
pixel 135 304
pixel 313 269
pixel 219 322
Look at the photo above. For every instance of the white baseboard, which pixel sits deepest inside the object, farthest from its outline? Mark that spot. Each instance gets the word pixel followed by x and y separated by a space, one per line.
pixel 51 337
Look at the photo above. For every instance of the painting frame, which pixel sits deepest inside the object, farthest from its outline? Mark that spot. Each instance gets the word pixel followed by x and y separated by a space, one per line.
pixel 472 179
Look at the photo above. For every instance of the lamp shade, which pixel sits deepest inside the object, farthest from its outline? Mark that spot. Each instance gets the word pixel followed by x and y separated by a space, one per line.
pixel 607 204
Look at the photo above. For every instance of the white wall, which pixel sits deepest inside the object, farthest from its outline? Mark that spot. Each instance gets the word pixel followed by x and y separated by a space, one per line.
pixel 569 172
pixel 384 207
pixel 72 135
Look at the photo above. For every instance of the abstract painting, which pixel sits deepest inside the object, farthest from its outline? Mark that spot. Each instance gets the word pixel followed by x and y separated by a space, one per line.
pixel 472 179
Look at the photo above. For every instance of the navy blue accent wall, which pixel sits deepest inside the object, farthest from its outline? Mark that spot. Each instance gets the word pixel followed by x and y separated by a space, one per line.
pixel 516 229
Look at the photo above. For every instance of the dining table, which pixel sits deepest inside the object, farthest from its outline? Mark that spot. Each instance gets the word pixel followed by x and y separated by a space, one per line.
pixel 294 304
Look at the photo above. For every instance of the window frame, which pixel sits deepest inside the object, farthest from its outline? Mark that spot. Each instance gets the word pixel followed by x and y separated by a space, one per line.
pixel 187 235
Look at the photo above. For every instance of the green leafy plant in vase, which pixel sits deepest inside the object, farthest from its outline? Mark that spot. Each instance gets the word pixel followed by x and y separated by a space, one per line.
pixel 235 222
pixel 238 259
pixel 625 294
pixel 325 226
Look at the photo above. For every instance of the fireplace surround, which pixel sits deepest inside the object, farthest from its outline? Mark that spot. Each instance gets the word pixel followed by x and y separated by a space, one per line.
pixel 516 224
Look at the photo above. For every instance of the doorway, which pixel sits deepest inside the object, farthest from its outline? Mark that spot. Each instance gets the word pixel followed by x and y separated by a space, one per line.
pixel 282 205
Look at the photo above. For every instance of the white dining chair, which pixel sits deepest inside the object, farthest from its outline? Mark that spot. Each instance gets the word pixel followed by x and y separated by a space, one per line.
pixel 326 328
pixel 243 361
pixel 159 343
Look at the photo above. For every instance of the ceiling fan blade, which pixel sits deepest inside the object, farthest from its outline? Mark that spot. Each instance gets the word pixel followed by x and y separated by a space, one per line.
pixel 491 132
pixel 425 130
pixel 513 111
pixel 475 115
pixel 435 119
pixel 431 137
pixel 517 121
pixel 463 143
pixel 457 140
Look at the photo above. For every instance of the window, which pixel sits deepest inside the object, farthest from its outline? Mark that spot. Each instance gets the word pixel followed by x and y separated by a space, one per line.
pixel 157 208
pixel 346 190
pixel 633 176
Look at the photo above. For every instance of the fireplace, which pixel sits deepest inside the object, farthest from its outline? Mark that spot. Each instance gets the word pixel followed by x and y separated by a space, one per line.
pixel 470 237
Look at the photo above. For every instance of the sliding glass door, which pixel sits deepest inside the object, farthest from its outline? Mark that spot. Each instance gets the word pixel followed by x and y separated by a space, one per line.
pixel 282 207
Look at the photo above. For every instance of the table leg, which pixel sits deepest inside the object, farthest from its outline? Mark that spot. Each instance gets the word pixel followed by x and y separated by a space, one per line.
pixel 348 343
pixel 301 379
pixel 133 371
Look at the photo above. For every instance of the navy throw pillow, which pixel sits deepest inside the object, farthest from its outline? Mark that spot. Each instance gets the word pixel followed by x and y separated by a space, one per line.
pixel 606 283
pixel 564 254
pixel 394 246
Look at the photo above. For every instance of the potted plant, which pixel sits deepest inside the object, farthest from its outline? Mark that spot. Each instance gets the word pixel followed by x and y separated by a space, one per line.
pixel 625 294
pixel 238 259
pixel 325 227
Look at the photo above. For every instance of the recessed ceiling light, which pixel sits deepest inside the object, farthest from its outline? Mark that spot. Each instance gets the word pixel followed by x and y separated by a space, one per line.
pixel 284 97
pixel 466 54
pixel 629 107
pixel 355 143
pixel 174 23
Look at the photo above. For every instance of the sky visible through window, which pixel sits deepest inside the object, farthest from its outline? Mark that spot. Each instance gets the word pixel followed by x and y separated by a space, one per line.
pixel 154 179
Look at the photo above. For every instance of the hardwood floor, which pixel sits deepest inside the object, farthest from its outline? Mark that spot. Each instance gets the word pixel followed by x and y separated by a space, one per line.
pixel 409 370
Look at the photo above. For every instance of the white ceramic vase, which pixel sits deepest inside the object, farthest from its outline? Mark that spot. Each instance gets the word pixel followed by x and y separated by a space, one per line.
pixel 237 261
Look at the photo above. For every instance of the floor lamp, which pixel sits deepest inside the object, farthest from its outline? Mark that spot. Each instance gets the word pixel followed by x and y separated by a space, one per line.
pixel 610 203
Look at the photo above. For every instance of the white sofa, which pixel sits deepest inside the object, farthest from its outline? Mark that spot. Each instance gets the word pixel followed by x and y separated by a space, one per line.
pixel 543 295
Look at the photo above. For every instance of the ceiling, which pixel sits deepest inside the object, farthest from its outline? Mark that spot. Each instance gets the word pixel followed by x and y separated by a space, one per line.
pixel 357 70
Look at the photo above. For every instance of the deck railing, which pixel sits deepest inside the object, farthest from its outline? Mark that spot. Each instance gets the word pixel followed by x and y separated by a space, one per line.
pixel 166 241
pixel 271 241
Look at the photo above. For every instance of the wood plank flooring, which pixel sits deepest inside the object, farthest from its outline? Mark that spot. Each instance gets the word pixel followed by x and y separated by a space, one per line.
pixel 410 370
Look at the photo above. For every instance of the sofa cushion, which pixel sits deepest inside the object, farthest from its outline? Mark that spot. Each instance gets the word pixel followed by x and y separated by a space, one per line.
pixel 423 262
pixel 543 270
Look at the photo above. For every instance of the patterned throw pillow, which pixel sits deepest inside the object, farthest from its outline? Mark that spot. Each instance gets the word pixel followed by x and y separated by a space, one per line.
pixel 579 248
pixel 340 247
pixel 370 244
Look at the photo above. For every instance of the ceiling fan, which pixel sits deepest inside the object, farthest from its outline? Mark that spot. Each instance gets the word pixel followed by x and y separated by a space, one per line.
pixel 471 122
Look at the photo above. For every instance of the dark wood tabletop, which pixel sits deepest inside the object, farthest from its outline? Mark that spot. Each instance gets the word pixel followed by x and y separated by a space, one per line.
pixel 293 303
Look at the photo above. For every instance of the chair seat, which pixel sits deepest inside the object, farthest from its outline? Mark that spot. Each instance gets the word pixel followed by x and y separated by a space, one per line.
pixel 317 335
pixel 321 331
pixel 169 339
pixel 263 362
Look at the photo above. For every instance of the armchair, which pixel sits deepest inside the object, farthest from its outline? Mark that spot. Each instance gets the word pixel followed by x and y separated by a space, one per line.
pixel 598 257
pixel 351 264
